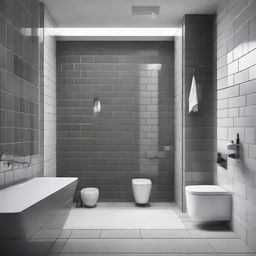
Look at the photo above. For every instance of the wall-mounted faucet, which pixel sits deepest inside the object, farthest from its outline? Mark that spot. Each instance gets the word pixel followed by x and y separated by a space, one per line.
pixel 12 160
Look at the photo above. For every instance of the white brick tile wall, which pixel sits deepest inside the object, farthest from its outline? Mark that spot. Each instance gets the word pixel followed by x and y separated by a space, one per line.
pixel 178 138
pixel 49 63
pixel 236 39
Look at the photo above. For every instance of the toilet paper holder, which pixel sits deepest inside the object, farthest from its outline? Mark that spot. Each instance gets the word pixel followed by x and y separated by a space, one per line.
pixel 222 160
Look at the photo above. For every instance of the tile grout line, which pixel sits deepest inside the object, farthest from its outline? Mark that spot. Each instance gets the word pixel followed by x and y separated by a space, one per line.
pixel 65 242
pixel 212 246
pixel 52 245
pixel 60 251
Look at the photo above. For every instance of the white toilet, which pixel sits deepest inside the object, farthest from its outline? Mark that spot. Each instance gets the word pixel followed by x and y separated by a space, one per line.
pixel 90 196
pixel 141 190
pixel 208 203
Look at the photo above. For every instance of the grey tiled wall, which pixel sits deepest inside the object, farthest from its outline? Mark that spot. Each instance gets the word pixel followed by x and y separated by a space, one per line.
pixel 19 77
pixel 134 81
pixel 195 133
pixel 236 88
pixel 19 84
pixel 199 128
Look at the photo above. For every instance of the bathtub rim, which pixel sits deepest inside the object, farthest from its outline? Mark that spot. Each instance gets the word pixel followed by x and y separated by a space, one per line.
pixel 23 209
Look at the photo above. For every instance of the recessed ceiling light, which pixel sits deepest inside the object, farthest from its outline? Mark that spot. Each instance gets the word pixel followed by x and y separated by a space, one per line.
pixel 113 32
pixel 145 10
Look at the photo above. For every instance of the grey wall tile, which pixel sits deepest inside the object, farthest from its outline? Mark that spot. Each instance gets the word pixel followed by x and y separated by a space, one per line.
pixel 109 149
pixel 19 80
pixel 195 49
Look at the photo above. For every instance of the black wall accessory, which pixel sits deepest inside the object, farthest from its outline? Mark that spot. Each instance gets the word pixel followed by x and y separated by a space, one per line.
pixel 222 160
pixel 235 147
pixel 237 139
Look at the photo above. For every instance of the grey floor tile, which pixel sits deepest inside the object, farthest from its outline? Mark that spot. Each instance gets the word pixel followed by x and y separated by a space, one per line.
pixel 46 234
pixel 65 233
pixel 56 222
pixel 196 239
pixel 218 226
pixel 229 245
pixel 142 254
pixel 124 216
pixel 212 234
pixel 58 245
pixel 30 234
pixel 120 233
pixel 164 233
pixel 237 254
pixel 85 233
pixel 191 224
pixel 32 247
pixel 134 246
pixel 162 254
pixel 181 215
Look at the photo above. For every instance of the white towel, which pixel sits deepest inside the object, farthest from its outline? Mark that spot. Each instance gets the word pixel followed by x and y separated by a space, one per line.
pixel 193 101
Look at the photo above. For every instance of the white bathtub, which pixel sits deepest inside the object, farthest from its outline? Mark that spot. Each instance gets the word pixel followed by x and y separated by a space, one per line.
pixel 25 207
pixel 19 197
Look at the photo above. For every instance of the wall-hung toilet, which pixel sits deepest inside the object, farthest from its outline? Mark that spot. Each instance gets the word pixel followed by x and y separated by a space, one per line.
pixel 90 196
pixel 141 190
pixel 208 203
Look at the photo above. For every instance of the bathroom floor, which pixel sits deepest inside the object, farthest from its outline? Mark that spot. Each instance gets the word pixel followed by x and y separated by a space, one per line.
pixel 124 216
pixel 124 229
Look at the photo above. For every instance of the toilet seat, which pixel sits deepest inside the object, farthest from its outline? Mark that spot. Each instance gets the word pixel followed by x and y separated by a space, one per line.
pixel 206 190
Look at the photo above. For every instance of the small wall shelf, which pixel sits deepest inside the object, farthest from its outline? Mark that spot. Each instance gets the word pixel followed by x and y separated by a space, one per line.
pixel 236 148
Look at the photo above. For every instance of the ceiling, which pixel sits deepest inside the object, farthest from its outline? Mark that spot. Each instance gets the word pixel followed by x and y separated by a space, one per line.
pixel 118 13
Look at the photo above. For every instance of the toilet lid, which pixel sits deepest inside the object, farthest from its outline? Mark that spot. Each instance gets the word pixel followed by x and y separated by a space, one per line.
pixel 206 190
pixel 141 181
